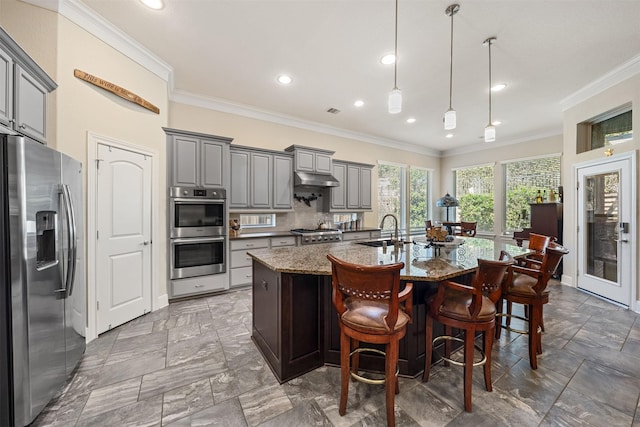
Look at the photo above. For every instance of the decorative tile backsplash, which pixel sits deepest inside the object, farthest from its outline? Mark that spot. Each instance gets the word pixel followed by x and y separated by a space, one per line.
pixel 303 216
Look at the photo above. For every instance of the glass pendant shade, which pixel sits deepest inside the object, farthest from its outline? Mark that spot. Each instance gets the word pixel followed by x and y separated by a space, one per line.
pixel 450 119
pixel 490 133
pixel 395 101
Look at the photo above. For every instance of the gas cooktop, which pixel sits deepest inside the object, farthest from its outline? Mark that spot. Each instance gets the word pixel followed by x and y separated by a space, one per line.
pixel 321 235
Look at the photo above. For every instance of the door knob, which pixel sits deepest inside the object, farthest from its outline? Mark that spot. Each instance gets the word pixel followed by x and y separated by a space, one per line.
pixel 146 242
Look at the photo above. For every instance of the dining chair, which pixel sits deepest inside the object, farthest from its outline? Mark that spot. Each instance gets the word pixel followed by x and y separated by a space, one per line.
pixel 467 229
pixel 471 308
pixel 528 285
pixel 371 309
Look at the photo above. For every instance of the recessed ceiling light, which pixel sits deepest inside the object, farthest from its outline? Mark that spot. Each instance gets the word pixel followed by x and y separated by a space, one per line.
pixel 449 135
pixel 498 87
pixel 388 59
pixel 153 4
pixel 411 120
pixel 284 79
pixel 496 122
pixel 359 103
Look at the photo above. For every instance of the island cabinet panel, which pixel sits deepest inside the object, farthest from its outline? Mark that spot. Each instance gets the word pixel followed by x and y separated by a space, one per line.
pixel 286 323
pixel 266 306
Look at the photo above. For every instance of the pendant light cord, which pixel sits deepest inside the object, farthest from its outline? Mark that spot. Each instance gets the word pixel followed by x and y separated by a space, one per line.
pixel 451 62
pixel 490 41
pixel 395 53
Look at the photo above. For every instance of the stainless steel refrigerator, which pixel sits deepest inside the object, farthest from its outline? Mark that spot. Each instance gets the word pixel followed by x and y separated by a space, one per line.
pixel 42 300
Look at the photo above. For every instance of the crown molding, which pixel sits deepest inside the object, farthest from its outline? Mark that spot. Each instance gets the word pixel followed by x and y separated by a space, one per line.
pixel 224 106
pixel 81 15
pixel 482 146
pixel 617 75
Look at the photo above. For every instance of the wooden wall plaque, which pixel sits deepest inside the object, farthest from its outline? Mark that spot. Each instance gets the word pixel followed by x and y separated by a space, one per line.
pixel 116 90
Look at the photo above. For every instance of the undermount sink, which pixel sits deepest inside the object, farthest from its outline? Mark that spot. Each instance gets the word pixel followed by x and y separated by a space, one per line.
pixel 376 243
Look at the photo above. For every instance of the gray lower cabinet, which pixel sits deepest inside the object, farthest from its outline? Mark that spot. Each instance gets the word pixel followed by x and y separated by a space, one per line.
pixel 197 160
pixel 240 263
pixel 260 180
pixel 24 87
pixel 354 192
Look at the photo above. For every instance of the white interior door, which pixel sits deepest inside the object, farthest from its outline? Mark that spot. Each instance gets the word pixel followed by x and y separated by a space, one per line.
pixel 123 245
pixel 606 223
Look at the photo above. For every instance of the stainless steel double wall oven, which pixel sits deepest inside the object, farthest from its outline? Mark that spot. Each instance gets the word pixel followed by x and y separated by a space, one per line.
pixel 197 231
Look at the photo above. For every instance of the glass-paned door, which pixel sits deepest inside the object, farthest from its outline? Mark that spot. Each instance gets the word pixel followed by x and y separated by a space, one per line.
pixel 605 204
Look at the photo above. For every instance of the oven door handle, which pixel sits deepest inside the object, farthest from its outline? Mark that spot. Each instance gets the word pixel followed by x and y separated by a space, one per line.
pixel 199 240
pixel 199 201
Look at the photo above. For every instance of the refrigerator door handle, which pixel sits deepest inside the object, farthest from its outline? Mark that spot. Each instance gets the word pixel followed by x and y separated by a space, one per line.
pixel 73 244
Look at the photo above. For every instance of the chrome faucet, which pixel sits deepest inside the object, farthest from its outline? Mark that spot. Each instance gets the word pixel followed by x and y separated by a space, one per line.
pixel 395 218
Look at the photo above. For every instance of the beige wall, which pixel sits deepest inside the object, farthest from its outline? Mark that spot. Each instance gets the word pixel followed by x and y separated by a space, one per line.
pixel 620 94
pixel 262 134
pixel 501 153
pixel 59 46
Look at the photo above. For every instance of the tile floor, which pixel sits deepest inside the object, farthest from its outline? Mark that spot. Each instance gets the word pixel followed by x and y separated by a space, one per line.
pixel 194 364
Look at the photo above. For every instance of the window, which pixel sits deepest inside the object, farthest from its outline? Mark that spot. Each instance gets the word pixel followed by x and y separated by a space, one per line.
pixel 257 220
pixel 418 199
pixel 612 131
pixel 611 128
pixel 523 179
pixel 474 191
pixel 403 190
pixel 391 194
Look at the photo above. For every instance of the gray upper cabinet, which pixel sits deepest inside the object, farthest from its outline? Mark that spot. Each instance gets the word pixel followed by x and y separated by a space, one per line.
pixel 23 91
pixel 354 192
pixel 197 160
pixel 309 159
pixel 282 182
pixel 30 105
pixel 185 161
pixel 6 89
pixel 339 194
pixel 212 153
pixel 239 194
pixel 260 180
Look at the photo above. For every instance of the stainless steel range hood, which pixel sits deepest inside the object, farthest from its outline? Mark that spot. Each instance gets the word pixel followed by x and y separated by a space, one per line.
pixel 310 179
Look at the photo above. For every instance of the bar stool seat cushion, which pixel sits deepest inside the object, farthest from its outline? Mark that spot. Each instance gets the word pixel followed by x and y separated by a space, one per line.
pixel 523 285
pixel 369 316
pixel 456 306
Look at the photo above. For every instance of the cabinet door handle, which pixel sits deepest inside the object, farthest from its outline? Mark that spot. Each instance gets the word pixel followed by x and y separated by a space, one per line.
pixel 265 285
pixel 23 127
pixel 249 245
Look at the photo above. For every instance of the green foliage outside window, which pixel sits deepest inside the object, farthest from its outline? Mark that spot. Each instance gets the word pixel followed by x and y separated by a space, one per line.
pixel 418 208
pixel 477 208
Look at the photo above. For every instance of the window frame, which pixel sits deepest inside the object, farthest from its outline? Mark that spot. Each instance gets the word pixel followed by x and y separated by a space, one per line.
pixel 504 230
pixel 455 171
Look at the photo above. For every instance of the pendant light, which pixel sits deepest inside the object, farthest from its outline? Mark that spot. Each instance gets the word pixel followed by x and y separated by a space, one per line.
pixel 450 114
pixel 395 97
pixel 490 130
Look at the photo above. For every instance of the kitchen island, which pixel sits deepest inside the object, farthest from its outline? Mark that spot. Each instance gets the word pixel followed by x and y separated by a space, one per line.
pixel 295 324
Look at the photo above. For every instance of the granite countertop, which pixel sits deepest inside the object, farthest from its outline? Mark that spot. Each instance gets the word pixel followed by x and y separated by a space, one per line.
pixel 421 263
pixel 280 233
pixel 247 235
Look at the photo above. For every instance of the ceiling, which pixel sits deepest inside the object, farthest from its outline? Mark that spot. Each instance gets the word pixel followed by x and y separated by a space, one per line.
pixel 231 51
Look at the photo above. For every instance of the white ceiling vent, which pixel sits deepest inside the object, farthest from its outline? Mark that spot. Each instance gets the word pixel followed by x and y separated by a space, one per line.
pixel 333 110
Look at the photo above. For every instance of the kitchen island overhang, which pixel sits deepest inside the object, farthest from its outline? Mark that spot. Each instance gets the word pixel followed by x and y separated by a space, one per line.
pixel 294 322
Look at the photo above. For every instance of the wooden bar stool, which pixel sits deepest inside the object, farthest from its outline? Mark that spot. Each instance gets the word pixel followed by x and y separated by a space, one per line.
pixel 473 309
pixel 371 309
pixel 537 243
pixel 528 285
